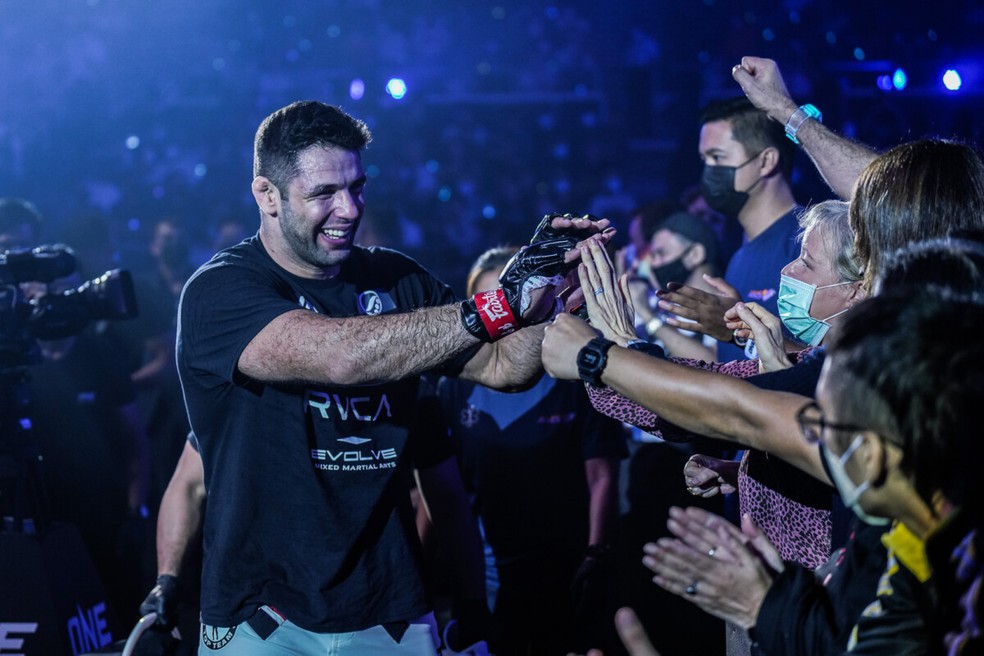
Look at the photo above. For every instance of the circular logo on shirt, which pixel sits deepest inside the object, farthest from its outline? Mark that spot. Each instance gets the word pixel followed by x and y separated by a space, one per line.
pixel 217 637
pixel 370 303
pixel 469 416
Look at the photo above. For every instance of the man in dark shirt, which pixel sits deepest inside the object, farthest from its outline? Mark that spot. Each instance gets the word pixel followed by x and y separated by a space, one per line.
pixel 299 355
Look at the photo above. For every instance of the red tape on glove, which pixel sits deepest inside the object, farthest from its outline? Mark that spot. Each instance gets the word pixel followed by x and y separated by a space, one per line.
pixel 495 313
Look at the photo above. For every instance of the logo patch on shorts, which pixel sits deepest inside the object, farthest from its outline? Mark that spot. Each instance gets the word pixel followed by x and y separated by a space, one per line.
pixel 217 637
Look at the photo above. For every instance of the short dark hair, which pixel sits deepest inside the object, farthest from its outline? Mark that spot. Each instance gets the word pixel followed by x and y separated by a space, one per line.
pixel 906 366
pixel 913 192
pixel 753 129
pixel 284 134
pixel 690 229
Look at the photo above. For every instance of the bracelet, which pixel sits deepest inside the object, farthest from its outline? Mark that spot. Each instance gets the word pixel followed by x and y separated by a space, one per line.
pixel 802 114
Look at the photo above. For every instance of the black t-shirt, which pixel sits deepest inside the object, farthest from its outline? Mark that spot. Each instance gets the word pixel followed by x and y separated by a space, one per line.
pixel 308 506
pixel 522 456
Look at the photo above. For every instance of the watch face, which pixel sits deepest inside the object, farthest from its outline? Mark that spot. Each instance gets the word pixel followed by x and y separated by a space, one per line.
pixel 590 359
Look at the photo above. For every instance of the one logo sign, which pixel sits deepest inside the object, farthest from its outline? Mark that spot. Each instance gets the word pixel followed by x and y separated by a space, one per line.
pixel 217 637
pixel 8 636
pixel 370 303
pixel 469 416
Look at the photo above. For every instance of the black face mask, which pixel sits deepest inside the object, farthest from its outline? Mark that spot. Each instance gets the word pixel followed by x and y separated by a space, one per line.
pixel 717 186
pixel 673 271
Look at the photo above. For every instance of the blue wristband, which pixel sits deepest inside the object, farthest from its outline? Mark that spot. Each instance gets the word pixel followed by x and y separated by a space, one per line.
pixel 802 114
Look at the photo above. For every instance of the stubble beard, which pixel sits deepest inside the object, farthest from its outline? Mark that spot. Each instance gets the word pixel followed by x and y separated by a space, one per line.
pixel 303 246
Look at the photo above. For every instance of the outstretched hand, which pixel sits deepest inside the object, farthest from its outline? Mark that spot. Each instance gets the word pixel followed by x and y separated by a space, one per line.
pixel 704 310
pixel 609 303
pixel 752 321
pixel 562 340
pixel 762 82
pixel 580 229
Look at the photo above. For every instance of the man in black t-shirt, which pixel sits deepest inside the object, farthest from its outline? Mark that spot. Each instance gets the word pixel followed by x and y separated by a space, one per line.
pixel 299 355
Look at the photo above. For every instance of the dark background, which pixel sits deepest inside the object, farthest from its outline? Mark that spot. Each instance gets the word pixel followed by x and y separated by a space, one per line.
pixel 140 109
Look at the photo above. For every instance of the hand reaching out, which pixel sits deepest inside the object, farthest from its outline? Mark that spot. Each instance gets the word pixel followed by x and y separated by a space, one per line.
pixel 704 309
pixel 752 321
pixel 562 340
pixel 608 300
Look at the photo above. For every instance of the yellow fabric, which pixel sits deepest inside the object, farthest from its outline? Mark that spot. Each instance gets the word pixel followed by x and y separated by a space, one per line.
pixel 909 550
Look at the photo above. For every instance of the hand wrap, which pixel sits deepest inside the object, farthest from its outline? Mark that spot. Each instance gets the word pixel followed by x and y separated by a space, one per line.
pixel 496 313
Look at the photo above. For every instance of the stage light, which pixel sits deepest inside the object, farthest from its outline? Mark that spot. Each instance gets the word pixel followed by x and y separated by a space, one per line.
pixel 899 79
pixel 357 89
pixel 488 212
pixel 951 79
pixel 884 83
pixel 396 88
pixel 132 142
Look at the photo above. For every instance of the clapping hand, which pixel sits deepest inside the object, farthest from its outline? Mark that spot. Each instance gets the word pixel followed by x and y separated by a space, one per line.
pixel 712 563
pixel 752 321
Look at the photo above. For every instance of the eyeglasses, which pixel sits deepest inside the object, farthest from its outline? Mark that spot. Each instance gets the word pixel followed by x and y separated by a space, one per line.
pixel 812 424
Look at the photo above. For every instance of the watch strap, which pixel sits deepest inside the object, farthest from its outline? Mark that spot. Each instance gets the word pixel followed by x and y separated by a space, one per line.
pixel 802 114
pixel 591 360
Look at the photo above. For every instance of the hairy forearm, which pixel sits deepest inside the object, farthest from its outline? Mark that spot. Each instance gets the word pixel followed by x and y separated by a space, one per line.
pixel 839 160
pixel 714 405
pixel 510 363
pixel 304 347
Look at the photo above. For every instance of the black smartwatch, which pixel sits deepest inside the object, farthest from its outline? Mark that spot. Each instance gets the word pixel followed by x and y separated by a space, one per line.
pixel 591 360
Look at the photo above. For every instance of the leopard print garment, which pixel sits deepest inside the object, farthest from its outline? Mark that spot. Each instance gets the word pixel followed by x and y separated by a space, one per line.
pixel 612 404
pixel 799 532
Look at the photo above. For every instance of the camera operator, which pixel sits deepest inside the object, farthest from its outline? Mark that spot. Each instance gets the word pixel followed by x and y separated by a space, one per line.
pixel 96 455
pixel 82 413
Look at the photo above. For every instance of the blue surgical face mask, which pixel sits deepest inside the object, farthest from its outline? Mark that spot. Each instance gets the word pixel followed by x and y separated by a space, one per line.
pixel 794 301
pixel 849 492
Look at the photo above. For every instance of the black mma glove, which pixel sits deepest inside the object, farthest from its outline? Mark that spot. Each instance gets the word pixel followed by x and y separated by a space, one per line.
pixel 545 231
pixel 496 313
pixel 163 600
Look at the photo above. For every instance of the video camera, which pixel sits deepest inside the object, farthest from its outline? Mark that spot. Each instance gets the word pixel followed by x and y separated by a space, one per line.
pixel 53 315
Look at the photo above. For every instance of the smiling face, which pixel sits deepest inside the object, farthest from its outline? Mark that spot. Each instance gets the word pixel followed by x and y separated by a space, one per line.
pixel 310 228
